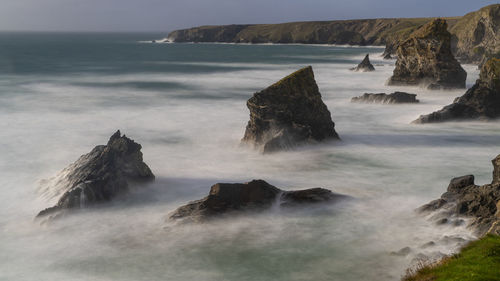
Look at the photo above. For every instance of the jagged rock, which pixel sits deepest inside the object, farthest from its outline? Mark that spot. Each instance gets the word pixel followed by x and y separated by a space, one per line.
pixel 256 195
pixel 425 58
pixel 97 176
pixel 396 97
pixel 365 65
pixel 482 101
pixel 464 199
pixel 289 113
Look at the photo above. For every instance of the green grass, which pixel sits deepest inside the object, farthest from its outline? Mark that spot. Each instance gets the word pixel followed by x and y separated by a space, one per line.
pixel 478 261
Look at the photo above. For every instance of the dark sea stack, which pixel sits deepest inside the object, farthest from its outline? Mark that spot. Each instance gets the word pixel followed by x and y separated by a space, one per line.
pixel 289 113
pixel 465 200
pixel 396 97
pixel 425 59
pixel 98 176
pixel 482 101
pixel 365 65
pixel 257 195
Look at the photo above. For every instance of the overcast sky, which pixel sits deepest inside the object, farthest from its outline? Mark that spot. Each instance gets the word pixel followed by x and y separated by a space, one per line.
pixel 167 15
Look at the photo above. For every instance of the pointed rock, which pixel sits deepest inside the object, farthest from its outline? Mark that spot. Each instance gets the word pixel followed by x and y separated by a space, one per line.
pixel 98 176
pixel 288 113
pixel 365 65
pixel 482 101
pixel 425 58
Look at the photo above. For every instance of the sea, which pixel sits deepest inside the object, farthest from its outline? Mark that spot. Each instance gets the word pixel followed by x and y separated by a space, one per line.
pixel 61 94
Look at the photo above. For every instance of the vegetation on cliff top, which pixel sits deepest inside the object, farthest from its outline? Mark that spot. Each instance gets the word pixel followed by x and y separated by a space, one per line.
pixel 478 261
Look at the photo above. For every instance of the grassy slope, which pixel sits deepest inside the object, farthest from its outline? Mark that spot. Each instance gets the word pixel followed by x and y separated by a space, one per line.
pixel 478 261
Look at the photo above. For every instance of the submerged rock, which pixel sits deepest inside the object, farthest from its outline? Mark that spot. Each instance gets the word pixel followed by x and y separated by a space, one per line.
pixel 289 113
pixel 365 65
pixel 464 199
pixel 98 176
pixel 396 97
pixel 482 101
pixel 425 58
pixel 256 195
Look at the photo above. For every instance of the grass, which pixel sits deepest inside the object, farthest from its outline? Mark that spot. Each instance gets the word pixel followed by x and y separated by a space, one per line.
pixel 478 261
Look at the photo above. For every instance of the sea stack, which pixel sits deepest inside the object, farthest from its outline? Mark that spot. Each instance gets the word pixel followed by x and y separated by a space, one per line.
pixel 425 59
pixel 465 200
pixel 257 195
pixel 97 176
pixel 365 65
pixel 289 113
pixel 482 101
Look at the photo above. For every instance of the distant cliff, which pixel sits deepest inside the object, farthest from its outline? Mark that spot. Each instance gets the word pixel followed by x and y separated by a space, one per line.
pixel 475 35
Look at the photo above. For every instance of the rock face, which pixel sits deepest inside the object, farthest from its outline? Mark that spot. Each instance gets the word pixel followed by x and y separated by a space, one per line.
pixel 477 34
pixel 98 176
pixel 256 195
pixel 396 97
pixel 482 101
pixel 425 59
pixel 288 113
pixel 365 65
pixel 465 200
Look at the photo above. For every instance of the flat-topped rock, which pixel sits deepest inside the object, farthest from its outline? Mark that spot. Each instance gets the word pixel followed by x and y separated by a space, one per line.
pixel 97 176
pixel 257 195
pixel 365 65
pixel 289 113
pixel 396 97
pixel 482 101
pixel 425 59
pixel 466 200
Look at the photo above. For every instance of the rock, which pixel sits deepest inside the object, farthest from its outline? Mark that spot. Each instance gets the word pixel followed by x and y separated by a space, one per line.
pixel 98 176
pixel 396 97
pixel 365 65
pixel 289 113
pixel 425 58
pixel 482 101
pixel 479 205
pixel 402 252
pixel 477 34
pixel 256 195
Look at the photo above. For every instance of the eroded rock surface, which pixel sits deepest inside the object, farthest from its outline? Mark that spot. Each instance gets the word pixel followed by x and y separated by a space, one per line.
pixel 482 101
pixel 425 59
pixel 396 97
pixel 98 176
pixel 289 113
pixel 466 200
pixel 257 195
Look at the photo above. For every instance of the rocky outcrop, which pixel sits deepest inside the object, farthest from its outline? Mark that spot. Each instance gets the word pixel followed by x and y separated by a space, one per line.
pixel 480 205
pixel 482 101
pixel 425 59
pixel 396 97
pixel 98 176
pixel 289 113
pixel 477 35
pixel 365 65
pixel 257 195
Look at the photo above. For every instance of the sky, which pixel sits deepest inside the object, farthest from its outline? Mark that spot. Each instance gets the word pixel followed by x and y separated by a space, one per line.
pixel 168 15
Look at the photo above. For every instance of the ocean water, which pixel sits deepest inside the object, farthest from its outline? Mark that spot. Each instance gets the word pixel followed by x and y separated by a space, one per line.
pixel 62 94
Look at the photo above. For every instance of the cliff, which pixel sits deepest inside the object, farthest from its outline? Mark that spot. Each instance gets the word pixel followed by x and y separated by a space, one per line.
pixel 474 36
